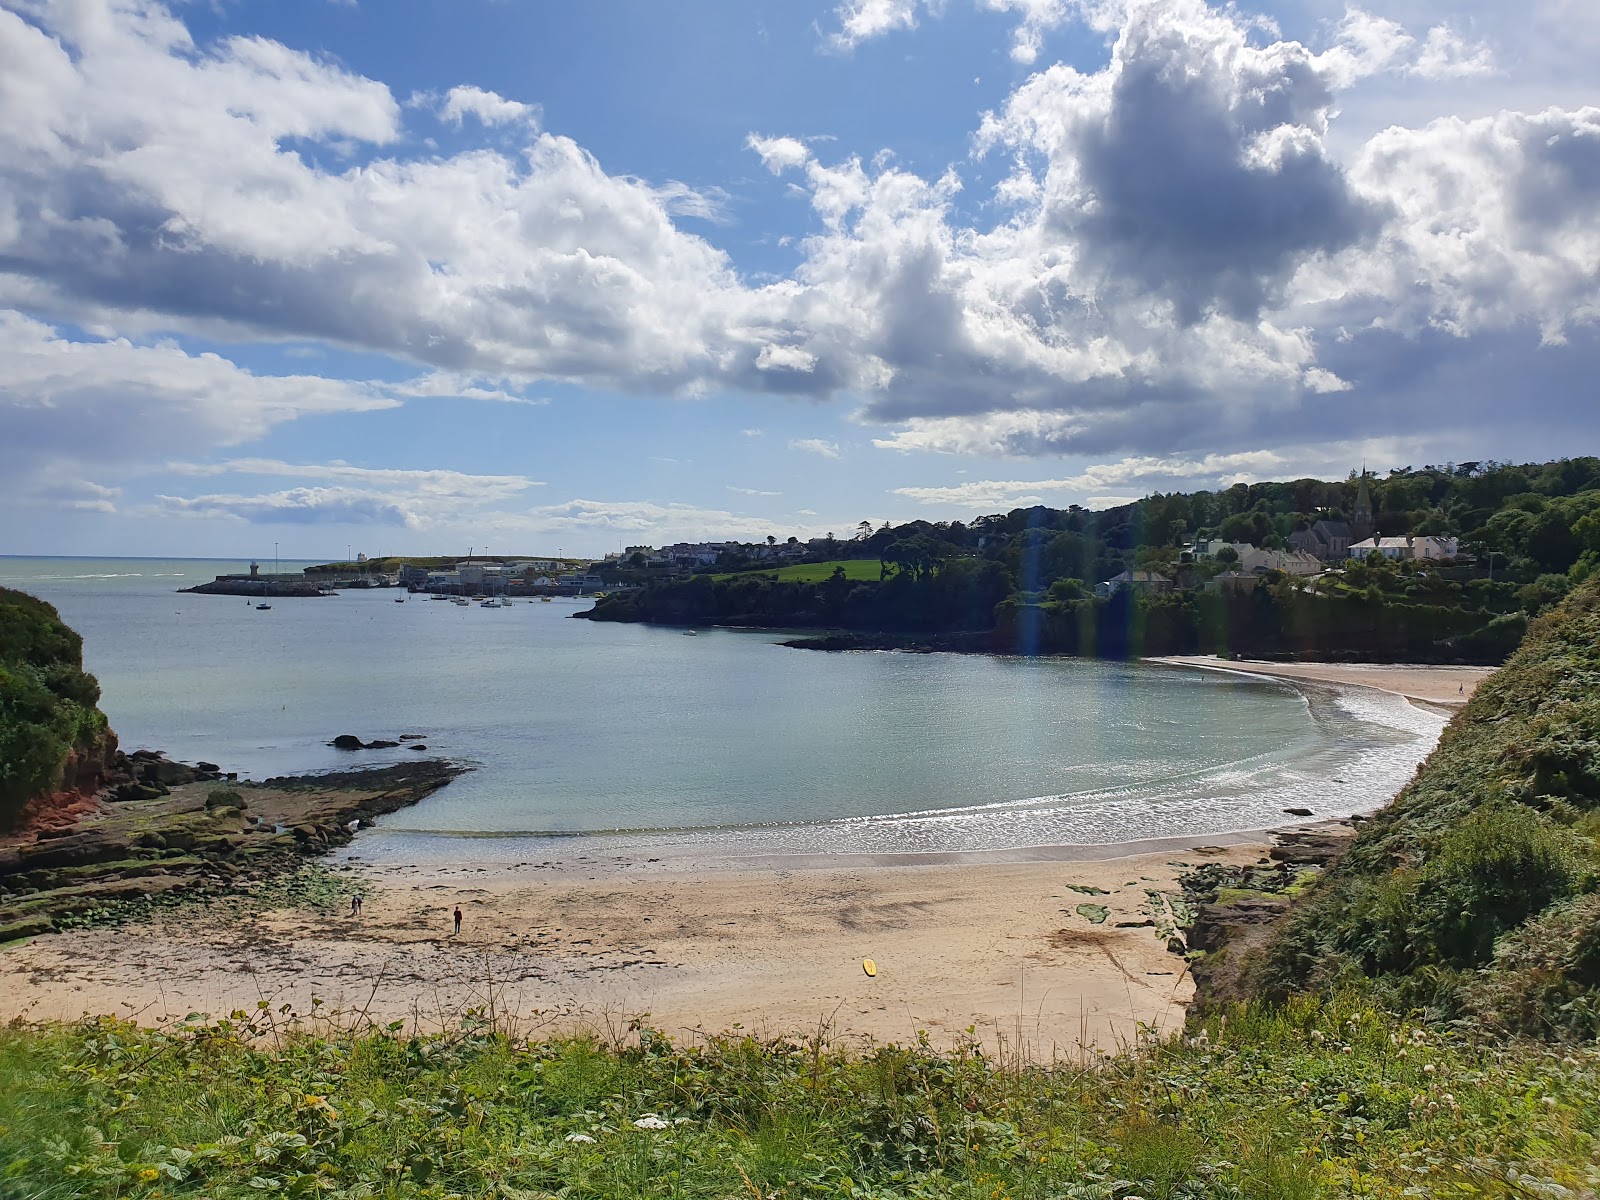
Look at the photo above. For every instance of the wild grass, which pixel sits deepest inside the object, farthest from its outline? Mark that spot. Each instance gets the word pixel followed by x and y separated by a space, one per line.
pixel 1314 1099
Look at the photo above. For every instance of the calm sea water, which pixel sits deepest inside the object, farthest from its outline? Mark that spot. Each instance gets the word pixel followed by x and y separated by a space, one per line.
pixel 723 743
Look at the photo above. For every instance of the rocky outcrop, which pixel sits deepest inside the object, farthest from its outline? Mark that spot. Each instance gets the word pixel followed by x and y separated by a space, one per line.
pixel 151 838
pixel 1236 910
pixel 255 589
pixel 349 741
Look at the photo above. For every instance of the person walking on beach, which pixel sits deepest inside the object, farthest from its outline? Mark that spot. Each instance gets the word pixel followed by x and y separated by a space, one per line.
pixel 458 920
pixel 355 905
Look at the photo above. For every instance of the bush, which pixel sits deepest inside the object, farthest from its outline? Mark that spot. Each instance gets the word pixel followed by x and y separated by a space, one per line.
pixel 1504 864
pixel 47 700
pixel 1544 976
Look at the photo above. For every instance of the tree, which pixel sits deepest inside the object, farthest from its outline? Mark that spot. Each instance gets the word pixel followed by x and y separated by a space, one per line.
pixel 771 541
pixel 863 531
pixel 1228 556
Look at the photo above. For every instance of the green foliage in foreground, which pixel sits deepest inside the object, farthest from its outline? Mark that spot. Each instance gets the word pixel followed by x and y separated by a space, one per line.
pixel 1477 890
pixel 1312 1100
pixel 47 700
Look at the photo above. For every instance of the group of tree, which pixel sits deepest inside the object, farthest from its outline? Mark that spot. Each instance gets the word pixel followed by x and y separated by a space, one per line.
pixel 1528 532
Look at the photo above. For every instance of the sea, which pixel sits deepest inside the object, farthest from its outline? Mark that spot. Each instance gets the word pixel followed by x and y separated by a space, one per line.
pixel 595 738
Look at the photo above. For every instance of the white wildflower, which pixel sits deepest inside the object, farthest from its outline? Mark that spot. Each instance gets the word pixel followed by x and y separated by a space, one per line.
pixel 580 1139
pixel 650 1121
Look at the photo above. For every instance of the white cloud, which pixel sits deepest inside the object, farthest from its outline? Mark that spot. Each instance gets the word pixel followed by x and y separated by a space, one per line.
pixel 1179 255
pixel 665 521
pixel 785 358
pixel 1214 470
pixel 94 403
pixel 744 491
pixel 1445 55
pixel 343 494
pixel 488 107
pixel 1038 18
pixel 816 446
pixel 779 154
pixel 862 20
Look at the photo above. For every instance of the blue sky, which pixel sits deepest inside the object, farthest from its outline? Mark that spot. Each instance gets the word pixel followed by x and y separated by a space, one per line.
pixel 419 275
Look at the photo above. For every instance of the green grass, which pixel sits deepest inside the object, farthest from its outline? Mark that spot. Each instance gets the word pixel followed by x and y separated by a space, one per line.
pixel 1494 837
pixel 858 570
pixel 1318 1099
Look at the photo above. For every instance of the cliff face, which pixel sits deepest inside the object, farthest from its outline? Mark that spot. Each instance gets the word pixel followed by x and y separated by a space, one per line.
pixel 55 746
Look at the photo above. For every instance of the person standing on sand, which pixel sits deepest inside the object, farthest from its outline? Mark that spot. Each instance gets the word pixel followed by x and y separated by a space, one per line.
pixel 458 920
pixel 355 905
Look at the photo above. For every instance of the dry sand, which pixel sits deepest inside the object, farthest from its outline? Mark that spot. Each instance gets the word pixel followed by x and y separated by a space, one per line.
pixel 994 942
pixel 995 945
pixel 1449 687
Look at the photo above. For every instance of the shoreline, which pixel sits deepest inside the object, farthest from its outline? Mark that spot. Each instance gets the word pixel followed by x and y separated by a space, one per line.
pixel 1423 684
pixel 1002 947
pixel 1003 941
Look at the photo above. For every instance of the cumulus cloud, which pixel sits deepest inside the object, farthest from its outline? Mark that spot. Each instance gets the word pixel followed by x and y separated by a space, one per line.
pixel 340 493
pixel 297 506
pixel 94 403
pixel 817 446
pixel 1176 257
pixel 489 108
pixel 862 20
pixel 1215 470
pixel 185 202
pixel 665 521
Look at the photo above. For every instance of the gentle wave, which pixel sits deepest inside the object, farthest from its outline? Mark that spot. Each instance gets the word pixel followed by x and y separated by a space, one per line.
pixel 1375 742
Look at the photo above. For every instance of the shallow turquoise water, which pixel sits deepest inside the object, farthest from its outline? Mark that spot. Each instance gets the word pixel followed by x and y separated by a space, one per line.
pixel 720 743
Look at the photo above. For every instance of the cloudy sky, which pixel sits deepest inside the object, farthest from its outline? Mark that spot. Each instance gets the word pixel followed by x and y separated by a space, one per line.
pixel 414 275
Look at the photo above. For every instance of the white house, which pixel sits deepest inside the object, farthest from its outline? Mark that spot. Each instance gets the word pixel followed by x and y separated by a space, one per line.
pixel 1428 547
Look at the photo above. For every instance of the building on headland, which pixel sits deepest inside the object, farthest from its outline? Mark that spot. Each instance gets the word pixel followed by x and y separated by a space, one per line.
pixel 1136 581
pixel 1326 540
pixel 1240 583
pixel 1428 547
pixel 1252 559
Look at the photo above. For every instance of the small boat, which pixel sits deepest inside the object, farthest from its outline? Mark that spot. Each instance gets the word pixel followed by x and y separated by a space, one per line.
pixel 399 599
pixel 690 633
pixel 505 602
pixel 544 599
pixel 262 606
pixel 488 604
pixel 461 600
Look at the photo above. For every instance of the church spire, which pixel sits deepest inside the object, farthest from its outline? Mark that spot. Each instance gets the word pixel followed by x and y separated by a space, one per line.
pixel 1361 522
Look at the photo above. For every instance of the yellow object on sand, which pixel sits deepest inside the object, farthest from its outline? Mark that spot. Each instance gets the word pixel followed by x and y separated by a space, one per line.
pixel 870 967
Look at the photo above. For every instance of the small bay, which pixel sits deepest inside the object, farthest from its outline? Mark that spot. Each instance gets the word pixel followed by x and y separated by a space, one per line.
pixel 721 744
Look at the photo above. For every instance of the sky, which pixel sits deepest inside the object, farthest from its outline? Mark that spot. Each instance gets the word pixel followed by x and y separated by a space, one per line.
pixel 528 276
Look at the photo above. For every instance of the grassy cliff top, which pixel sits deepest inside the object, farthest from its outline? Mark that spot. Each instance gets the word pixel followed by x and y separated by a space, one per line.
pixel 1475 891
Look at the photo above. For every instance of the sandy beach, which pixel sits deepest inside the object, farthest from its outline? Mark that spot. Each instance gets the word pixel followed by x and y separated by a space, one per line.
pixel 1449 687
pixel 998 946
pixel 995 942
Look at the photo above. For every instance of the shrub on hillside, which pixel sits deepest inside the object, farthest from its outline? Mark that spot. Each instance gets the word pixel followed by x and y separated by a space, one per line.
pixel 1445 894
pixel 47 700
